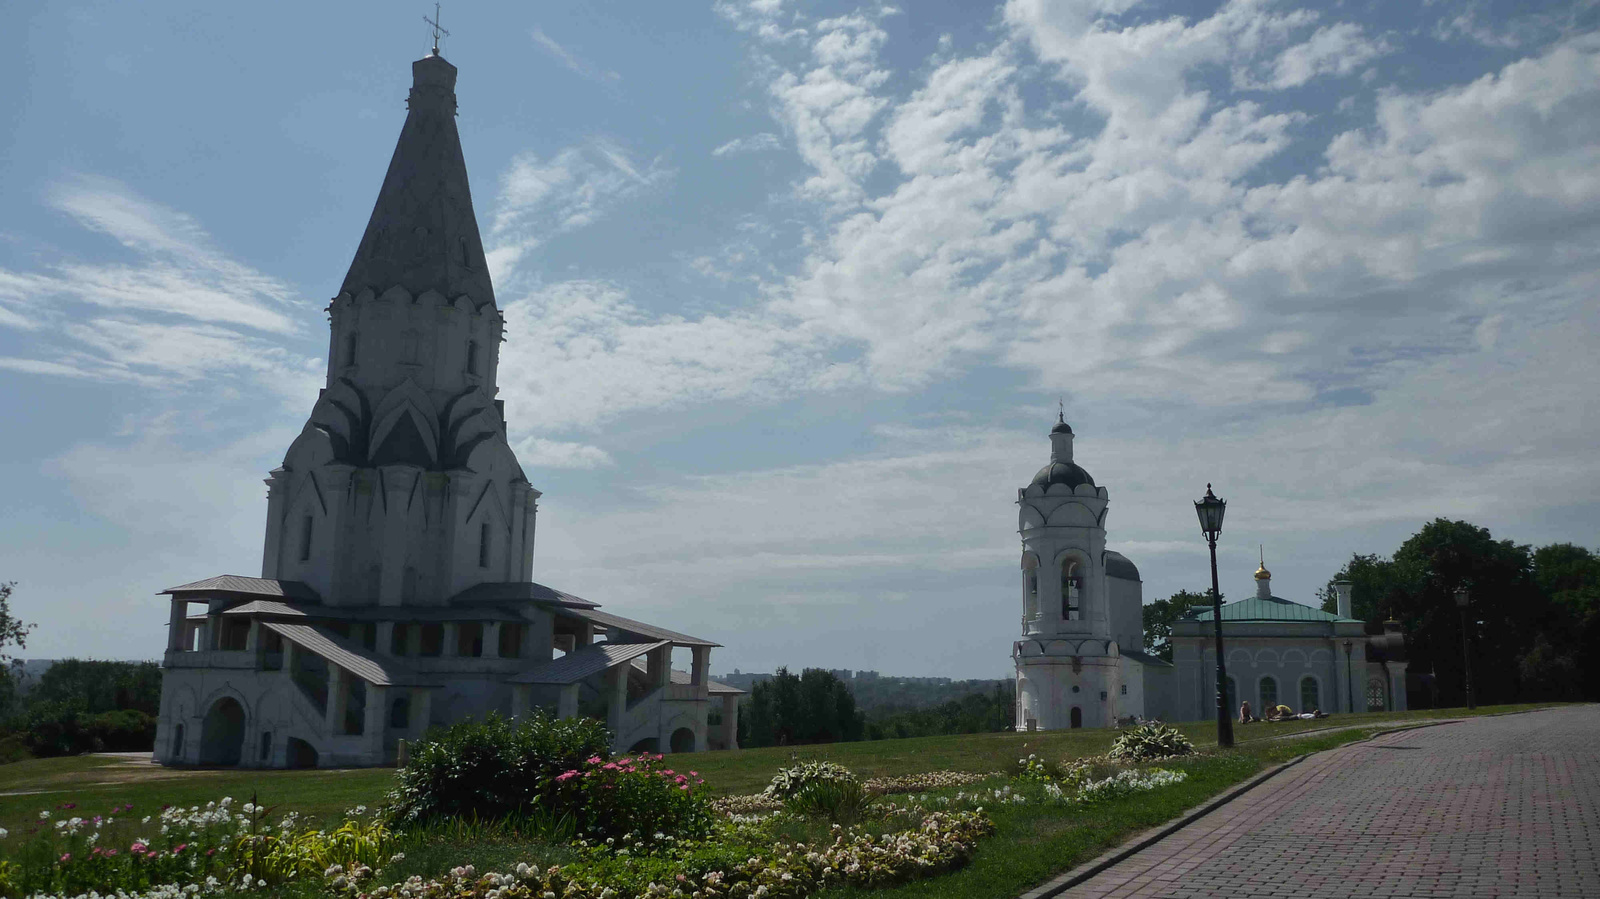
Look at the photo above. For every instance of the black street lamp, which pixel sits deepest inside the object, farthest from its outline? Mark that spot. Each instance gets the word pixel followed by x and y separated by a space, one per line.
pixel 1210 510
pixel 1462 598
pixel 1349 679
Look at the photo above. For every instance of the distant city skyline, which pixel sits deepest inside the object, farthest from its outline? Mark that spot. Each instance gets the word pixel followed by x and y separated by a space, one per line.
pixel 792 291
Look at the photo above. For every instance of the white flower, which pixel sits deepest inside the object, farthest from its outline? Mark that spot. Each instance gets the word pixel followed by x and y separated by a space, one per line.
pixel 44 815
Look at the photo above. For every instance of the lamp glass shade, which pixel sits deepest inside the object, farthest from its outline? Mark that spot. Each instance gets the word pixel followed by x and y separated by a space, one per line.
pixel 1210 512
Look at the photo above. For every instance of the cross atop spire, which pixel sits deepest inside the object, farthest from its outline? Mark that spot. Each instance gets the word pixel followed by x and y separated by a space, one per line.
pixel 437 31
pixel 1061 410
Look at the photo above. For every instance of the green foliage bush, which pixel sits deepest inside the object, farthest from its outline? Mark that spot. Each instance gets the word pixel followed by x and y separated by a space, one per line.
pixel 492 769
pixel 53 729
pixel 633 796
pixel 815 707
pixel 1150 741
pixel 788 782
pixel 842 801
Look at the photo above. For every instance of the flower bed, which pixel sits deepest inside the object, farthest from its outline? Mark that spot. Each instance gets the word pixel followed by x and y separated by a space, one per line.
pixel 943 841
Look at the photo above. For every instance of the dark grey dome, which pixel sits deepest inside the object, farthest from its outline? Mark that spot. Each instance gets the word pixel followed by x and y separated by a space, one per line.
pixel 1062 473
pixel 1061 428
pixel 1119 566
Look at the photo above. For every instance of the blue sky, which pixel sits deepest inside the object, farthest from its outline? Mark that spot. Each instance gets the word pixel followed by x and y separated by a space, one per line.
pixel 792 290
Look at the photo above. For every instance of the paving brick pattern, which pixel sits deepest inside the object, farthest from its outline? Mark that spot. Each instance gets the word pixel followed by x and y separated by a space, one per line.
pixel 1504 806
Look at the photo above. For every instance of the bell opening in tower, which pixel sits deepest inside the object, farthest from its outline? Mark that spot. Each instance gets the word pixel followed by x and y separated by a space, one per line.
pixel 1071 584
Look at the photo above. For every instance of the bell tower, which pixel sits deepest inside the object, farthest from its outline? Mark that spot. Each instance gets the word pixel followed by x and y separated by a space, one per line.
pixel 1068 666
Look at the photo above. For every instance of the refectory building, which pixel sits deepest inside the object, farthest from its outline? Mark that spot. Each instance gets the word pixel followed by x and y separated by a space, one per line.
pixel 396 588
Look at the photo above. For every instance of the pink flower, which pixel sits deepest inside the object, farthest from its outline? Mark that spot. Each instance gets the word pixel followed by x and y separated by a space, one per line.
pixel 684 787
pixel 66 857
pixel 694 773
pixel 592 760
pixel 179 848
pixel 210 852
pixel 138 847
pixel 566 776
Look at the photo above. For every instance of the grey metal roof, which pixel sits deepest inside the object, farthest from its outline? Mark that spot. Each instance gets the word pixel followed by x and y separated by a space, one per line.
pixel 1069 473
pixel 683 678
pixel 248 586
pixel 520 591
pixel 423 235
pixel 1118 566
pixel 374 613
pixel 584 663
pixel 329 647
pixel 606 619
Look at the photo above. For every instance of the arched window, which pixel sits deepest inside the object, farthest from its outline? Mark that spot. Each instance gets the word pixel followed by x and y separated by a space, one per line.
pixel 1375 695
pixel 350 348
pixel 1310 694
pixel 1071 591
pixel 472 357
pixel 1232 701
pixel 1269 693
pixel 266 745
pixel 400 713
pixel 177 743
pixel 305 538
pixel 483 545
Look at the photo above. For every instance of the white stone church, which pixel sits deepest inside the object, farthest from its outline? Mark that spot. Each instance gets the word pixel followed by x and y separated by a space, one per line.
pixel 1079 662
pixel 396 585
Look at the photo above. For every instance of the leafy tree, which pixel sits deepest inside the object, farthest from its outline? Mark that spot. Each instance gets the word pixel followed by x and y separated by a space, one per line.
pixel 1377 587
pixel 1161 613
pixel 1570 576
pixel 94 686
pixel 13 632
pixel 814 707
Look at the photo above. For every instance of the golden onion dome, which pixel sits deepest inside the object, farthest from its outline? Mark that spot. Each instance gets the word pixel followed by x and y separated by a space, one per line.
pixel 1263 574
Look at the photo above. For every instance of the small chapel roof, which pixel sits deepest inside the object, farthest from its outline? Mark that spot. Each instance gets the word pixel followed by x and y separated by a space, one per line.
pixel 1271 608
pixel 423 235
pixel 1120 566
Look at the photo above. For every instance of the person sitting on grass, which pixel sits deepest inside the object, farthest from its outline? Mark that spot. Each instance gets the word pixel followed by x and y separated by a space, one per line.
pixel 1280 713
pixel 1245 715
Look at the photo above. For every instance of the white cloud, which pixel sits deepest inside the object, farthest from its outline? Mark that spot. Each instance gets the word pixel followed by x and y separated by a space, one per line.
pixel 572 61
pixel 755 143
pixel 182 311
pixel 540 198
pixel 536 452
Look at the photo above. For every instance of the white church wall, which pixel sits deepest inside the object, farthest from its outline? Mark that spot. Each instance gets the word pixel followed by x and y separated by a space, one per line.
pixel 1127 612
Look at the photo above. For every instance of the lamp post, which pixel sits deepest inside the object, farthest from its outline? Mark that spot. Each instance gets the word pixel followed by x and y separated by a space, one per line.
pixel 1462 598
pixel 1349 679
pixel 1210 510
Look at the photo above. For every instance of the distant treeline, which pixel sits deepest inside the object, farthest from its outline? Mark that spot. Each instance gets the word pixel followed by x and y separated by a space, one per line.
pixel 79 705
pixel 816 706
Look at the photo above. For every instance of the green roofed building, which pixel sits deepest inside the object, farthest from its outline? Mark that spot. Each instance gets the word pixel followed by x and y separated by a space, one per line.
pixel 1281 652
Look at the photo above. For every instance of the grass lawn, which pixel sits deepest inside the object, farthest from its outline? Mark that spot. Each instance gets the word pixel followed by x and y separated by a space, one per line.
pixel 1033 841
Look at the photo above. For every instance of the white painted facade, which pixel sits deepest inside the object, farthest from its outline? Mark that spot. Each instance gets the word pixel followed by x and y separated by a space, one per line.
pixel 1285 653
pixel 396 587
pixel 1079 661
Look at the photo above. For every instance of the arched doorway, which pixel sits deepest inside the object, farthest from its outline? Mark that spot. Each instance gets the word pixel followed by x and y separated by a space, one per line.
pixel 222 733
pixel 177 743
pixel 683 740
pixel 301 754
pixel 1077 717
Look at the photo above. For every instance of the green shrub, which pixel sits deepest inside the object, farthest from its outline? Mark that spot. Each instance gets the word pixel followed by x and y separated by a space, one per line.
pixel 633 796
pixel 790 781
pixel 840 800
pixel 492 769
pixel 1150 741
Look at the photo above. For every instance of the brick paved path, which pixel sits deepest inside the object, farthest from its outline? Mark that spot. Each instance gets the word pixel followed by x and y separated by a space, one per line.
pixel 1504 806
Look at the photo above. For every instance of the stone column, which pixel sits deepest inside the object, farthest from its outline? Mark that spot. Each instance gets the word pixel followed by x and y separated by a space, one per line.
pixel 337 697
pixel 252 639
pixel 327 550
pixel 491 639
pixel 661 667
pixel 616 681
pixel 272 551
pixel 213 630
pixel 413 639
pixel 452 639
pixel 567 701
pixel 178 625
pixel 512 566
pixel 531 513
pixel 377 720
pixel 421 710
pixel 730 720
pixel 385 638
pixel 698 675
pixel 398 483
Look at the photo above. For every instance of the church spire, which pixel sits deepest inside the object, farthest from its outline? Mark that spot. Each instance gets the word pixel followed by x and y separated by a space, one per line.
pixel 423 235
